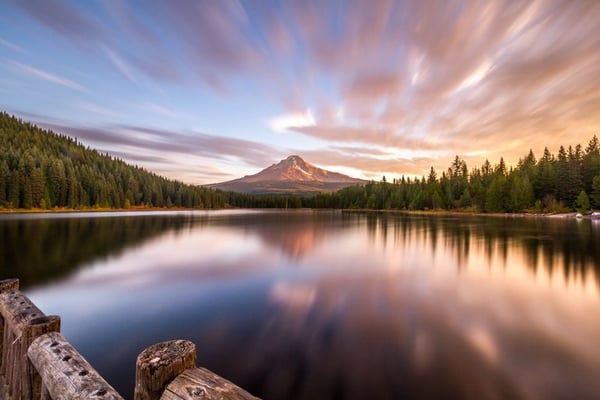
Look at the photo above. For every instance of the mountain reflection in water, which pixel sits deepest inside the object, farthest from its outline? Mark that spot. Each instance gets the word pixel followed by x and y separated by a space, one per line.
pixel 329 305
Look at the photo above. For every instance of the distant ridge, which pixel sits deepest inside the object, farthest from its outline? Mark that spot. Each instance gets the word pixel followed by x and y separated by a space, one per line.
pixel 291 175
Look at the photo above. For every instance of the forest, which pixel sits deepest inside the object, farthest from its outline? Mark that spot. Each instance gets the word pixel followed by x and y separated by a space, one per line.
pixel 44 170
pixel 41 169
pixel 554 183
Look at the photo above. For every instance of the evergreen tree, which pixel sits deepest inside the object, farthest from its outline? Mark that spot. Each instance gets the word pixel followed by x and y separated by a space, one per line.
pixel 4 175
pixel 37 187
pixel 41 169
pixel 14 189
pixel 496 195
pixel 595 197
pixel 591 163
pixel 546 179
pixel 583 202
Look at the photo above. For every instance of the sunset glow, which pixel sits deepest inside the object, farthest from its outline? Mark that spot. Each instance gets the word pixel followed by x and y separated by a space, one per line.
pixel 207 91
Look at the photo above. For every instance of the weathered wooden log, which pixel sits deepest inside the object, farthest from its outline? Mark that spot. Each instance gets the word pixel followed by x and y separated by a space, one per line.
pixel 8 361
pixel 65 373
pixel 31 381
pixel 200 383
pixel 9 284
pixel 17 310
pixel 22 323
pixel 159 364
pixel 6 285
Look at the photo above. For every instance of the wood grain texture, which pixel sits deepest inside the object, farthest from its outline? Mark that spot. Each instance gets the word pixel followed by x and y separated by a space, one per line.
pixel 159 364
pixel 200 383
pixel 22 322
pixel 6 285
pixel 17 310
pixel 65 373
pixel 31 381
pixel 9 284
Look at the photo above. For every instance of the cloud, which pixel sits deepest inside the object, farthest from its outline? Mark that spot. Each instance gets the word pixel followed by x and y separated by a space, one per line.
pixel 201 144
pixel 284 122
pixel 136 156
pixel 121 64
pixel 373 86
pixel 363 134
pixel 167 151
pixel 64 18
pixel 368 165
pixel 38 73
pixel 487 79
pixel 11 45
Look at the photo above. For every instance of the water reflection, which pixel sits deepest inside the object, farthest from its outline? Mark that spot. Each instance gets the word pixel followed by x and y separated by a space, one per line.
pixel 565 246
pixel 41 248
pixel 323 305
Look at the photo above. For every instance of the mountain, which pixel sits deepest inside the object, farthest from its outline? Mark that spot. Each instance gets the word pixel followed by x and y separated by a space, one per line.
pixel 292 175
pixel 44 170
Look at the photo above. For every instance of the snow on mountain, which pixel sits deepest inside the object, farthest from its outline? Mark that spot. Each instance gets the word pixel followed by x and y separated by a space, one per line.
pixel 290 175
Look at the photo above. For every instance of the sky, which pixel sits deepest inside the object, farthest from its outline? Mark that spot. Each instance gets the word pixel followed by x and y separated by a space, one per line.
pixel 210 90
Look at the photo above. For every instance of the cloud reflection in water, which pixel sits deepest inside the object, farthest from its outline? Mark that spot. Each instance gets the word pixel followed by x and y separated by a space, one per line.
pixel 360 306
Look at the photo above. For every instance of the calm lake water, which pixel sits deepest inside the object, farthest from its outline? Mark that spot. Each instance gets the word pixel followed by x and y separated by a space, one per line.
pixel 326 305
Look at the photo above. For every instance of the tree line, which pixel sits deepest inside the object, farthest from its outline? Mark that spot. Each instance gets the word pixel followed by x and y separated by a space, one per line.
pixel 41 169
pixel 554 183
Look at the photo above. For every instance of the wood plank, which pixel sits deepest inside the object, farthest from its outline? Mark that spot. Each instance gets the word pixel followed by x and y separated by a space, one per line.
pixel 65 373
pixel 6 285
pixel 200 383
pixel 31 381
pixel 3 389
pixel 22 322
pixel 17 310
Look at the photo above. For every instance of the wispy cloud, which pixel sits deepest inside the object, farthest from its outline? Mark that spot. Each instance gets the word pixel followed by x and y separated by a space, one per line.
pixel 121 64
pixel 11 45
pixel 62 17
pixel 418 79
pixel 44 75
pixel 169 151
pixel 282 123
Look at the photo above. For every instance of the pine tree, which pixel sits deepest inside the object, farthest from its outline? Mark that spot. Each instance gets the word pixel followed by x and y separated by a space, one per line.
pixel 591 163
pixel 496 195
pixel 37 187
pixel 546 182
pixel 583 202
pixel 4 174
pixel 14 184
pixel 595 197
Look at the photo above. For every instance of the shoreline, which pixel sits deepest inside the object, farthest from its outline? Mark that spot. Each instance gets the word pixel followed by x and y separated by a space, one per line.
pixel 99 210
pixel 565 215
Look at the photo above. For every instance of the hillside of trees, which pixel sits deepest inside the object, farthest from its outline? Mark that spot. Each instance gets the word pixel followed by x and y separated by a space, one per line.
pixel 554 183
pixel 40 169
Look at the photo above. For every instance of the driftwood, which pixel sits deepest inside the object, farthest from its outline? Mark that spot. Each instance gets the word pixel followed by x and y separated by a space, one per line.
pixel 65 373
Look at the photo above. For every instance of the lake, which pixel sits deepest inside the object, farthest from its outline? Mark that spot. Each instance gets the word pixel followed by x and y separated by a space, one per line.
pixel 326 304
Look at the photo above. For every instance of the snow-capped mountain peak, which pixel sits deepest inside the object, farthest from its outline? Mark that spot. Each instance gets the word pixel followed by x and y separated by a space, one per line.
pixel 292 174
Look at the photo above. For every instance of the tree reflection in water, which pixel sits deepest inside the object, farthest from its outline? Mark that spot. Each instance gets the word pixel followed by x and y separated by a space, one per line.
pixel 322 305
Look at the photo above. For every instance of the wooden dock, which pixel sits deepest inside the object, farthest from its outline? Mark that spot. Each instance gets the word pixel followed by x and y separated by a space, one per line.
pixel 38 363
